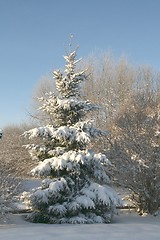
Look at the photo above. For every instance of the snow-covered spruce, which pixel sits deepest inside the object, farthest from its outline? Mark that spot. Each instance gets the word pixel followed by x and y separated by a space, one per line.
pixel 76 187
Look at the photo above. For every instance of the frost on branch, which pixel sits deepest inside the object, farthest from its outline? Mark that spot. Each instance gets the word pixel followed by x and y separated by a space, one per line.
pixel 76 186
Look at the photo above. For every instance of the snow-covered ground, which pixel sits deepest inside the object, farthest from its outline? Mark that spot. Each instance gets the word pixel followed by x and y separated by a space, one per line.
pixel 126 226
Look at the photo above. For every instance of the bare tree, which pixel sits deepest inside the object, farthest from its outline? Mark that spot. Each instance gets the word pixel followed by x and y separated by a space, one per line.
pixel 110 84
pixel 9 187
pixel 15 163
pixel 44 86
pixel 12 152
pixel 135 150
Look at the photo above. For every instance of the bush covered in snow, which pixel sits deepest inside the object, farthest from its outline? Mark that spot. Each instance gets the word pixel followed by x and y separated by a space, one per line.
pixel 76 186
pixel 9 188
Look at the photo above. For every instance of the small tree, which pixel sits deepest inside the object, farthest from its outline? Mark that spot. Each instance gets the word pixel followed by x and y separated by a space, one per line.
pixel 76 189
pixel 13 159
pixel 9 188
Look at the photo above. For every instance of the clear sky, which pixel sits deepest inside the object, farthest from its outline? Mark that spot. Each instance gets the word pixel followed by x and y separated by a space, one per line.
pixel 34 33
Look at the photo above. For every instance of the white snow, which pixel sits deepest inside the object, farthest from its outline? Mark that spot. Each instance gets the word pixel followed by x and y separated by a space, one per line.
pixel 104 194
pixel 58 208
pixel 85 202
pixel 126 226
pixel 81 132
pixel 57 185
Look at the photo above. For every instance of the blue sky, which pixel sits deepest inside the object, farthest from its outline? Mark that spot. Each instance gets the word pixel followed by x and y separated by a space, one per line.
pixel 34 33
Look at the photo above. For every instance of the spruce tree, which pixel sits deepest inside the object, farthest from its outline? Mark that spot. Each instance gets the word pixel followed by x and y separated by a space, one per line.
pixel 75 186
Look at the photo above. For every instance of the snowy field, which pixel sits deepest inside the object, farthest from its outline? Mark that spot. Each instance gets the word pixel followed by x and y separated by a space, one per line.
pixel 126 226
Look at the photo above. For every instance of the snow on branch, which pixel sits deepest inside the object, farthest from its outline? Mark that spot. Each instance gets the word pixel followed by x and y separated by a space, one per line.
pixel 80 132
pixel 71 162
pixel 43 132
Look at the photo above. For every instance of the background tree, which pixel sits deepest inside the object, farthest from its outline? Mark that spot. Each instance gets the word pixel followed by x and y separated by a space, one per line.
pixel 44 86
pixel 135 148
pixel 9 188
pixel 77 188
pixel 12 152
pixel 13 160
